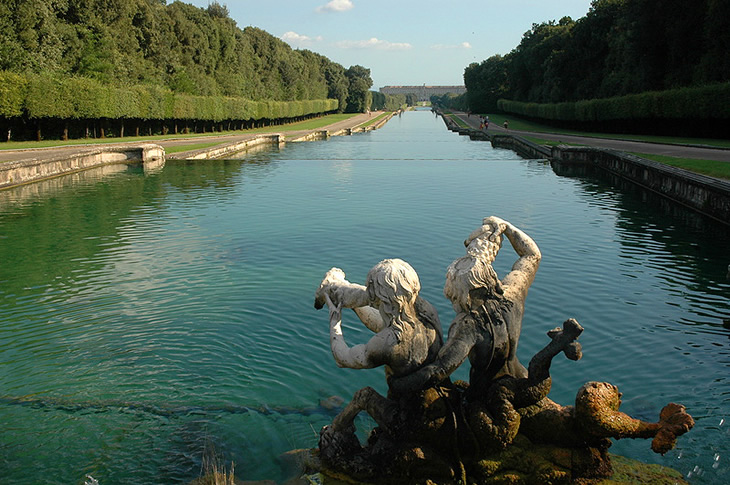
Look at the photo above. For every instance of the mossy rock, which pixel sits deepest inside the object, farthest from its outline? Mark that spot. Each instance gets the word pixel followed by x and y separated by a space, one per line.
pixel 628 471
pixel 494 472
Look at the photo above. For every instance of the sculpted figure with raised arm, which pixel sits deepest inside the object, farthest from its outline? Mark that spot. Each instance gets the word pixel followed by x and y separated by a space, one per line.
pixel 488 323
pixel 430 429
pixel 407 336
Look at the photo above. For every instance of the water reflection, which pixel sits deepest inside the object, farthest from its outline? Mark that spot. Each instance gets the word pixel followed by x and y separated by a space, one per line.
pixel 190 289
pixel 653 225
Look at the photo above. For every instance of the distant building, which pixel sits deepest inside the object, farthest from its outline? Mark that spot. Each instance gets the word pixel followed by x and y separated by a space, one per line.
pixel 424 92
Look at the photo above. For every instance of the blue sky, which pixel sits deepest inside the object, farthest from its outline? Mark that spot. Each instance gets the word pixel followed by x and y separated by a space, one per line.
pixel 402 42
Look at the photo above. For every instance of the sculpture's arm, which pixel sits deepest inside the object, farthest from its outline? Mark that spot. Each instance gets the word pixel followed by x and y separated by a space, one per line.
pixel 348 295
pixel 450 357
pixel 370 317
pixel 524 269
pixel 363 356
pixel 352 295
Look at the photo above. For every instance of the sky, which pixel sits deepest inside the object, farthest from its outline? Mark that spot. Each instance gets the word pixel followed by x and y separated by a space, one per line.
pixel 402 42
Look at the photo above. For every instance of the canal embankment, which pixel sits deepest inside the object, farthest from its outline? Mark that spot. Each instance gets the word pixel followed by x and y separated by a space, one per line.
pixel 19 167
pixel 45 164
pixel 707 195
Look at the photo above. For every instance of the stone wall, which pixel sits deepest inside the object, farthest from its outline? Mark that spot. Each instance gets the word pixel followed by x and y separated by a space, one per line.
pixel 707 195
pixel 521 146
pixel 22 172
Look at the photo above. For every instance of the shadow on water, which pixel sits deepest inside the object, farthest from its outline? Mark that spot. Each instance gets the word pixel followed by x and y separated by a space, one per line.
pixel 695 241
pixel 673 261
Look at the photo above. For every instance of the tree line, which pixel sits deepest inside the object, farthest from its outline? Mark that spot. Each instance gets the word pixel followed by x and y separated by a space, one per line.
pixel 620 48
pixel 84 61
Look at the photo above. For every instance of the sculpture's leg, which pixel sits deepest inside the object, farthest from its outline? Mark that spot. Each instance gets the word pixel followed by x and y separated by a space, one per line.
pixel 495 422
pixel 381 409
pixel 537 385
pixel 338 444
pixel 562 340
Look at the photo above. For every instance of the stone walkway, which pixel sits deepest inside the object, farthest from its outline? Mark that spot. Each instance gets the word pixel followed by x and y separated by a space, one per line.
pixel 70 150
pixel 683 151
pixel 672 150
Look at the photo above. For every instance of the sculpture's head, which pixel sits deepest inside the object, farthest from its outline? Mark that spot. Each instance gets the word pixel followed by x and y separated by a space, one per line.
pixel 467 274
pixel 597 397
pixel 484 248
pixel 392 287
pixel 483 243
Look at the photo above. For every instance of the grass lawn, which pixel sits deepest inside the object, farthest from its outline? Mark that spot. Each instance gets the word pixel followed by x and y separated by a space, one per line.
pixel 459 122
pixel 706 167
pixel 376 119
pixel 520 124
pixel 312 124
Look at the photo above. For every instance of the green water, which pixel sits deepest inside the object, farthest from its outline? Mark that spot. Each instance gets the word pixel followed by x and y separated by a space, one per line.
pixel 147 318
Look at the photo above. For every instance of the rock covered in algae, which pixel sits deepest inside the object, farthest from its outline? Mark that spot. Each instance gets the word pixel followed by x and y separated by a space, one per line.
pixel 524 463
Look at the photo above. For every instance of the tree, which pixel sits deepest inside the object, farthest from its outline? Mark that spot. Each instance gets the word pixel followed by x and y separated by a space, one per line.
pixel 359 96
pixel 486 83
pixel 216 10
pixel 715 62
pixel 337 82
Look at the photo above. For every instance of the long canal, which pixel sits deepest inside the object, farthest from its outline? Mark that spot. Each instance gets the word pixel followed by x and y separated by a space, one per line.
pixel 149 320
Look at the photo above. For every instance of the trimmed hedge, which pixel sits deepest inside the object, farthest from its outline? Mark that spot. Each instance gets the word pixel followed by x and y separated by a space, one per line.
pixel 704 102
pixel 13 89
pixel 43 96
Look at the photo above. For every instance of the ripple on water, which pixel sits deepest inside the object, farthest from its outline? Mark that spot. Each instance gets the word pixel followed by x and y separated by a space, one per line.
pixel 177 315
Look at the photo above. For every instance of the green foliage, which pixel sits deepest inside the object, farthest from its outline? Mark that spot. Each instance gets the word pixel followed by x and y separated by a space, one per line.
pixel 703 102
pixel 43 96
pixel 486 83
pixel 359 95
pixel 12 94
pixel 453 101
pixel 411 99
pixel 146 60
pixel 186 49
pixel 337 83
pixel 48 97
pixel 387 102
pixel 620 48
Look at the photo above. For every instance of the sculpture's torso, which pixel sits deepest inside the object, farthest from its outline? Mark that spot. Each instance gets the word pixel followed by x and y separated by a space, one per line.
pixel 494 352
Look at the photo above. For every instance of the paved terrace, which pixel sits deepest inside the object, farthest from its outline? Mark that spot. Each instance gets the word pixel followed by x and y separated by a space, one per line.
pixel 671 150
pixel 230 139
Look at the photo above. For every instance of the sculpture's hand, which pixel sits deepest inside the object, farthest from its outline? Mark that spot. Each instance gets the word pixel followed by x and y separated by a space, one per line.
pixel 497 225
pixel 673 421
pixel 492 229
pixel 330 280
pixel 335 311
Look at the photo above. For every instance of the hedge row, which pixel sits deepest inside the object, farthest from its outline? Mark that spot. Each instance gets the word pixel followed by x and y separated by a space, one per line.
pixel 705 102
pixel 42 96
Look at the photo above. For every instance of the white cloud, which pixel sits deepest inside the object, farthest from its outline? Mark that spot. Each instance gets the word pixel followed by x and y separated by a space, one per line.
pixel 297 40
pixel 374 43
pixel 336 6
pixel 463 45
